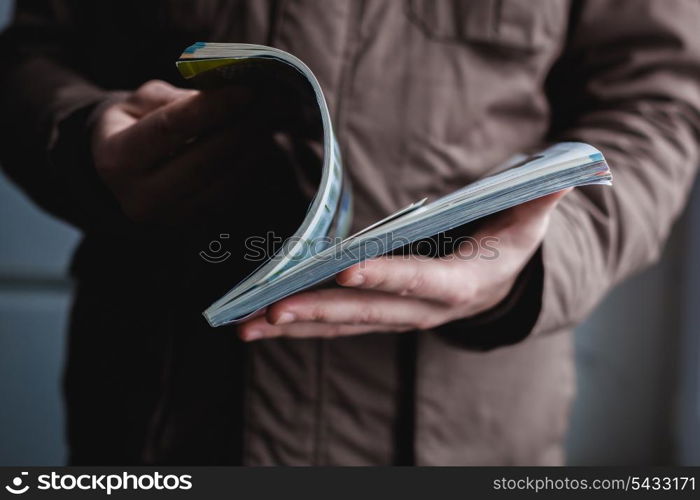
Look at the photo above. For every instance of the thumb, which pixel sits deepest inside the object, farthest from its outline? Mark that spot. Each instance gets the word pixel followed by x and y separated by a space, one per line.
pixel 543 205
pixel 534 210
pixel 524 225
pixel 155 94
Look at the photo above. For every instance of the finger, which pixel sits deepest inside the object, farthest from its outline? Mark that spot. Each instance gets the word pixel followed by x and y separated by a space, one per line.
pixel 196 167
pixel 356 307
pixel 163 194
pixel 409 276
pixel 115 119
pixel 259 329
pixel 543 205
pixel 260 313
pixel 153 95
pixel 220 196
pixel 529 212
pixel 162 132
pixel 208 178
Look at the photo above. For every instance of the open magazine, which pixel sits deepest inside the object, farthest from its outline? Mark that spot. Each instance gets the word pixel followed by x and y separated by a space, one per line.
pixel 321 247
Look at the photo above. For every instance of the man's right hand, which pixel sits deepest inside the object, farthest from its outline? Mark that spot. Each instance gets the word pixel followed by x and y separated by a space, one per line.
pixel 170 154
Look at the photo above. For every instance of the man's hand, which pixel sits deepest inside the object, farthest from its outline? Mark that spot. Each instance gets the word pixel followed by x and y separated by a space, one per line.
pixel 396 294
pixel 168 153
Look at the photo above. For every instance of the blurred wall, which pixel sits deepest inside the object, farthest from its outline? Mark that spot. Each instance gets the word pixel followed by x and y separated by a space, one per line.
pixel 628 358
pixel 687 405
pixel 34 300
pixel 637 356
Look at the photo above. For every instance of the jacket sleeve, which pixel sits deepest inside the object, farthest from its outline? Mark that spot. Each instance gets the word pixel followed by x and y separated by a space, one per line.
pixel 46 102
pixel 629 84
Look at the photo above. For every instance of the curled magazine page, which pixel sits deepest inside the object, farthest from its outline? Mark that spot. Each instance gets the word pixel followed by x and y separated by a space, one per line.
pixel 330 213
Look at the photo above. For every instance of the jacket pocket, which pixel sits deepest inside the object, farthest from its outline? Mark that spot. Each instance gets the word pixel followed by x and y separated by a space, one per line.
pixel 521 25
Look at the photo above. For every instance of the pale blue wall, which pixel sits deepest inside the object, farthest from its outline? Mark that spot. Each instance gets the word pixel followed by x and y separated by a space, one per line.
pixel 629 370
pixel 34 300
pixel 688 391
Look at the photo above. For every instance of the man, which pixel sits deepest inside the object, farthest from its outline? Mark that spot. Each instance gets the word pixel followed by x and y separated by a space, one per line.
pixel 473 364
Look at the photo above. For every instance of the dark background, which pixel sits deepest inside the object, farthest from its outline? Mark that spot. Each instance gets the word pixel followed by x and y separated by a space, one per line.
pixel 637 357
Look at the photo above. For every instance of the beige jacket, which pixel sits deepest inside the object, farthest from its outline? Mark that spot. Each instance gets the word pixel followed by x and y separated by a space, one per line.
pixel 426 97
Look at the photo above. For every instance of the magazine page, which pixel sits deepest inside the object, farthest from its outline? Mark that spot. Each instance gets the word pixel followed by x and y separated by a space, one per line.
pixel 330 212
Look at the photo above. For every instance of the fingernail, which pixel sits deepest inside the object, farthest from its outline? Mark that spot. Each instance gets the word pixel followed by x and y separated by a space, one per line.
pixel 355 280
pixel 284 318
pixel 253 335
pixel 188 93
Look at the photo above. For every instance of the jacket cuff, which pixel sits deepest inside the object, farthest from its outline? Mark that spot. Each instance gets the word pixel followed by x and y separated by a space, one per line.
pixel 70 156
pixel 510 321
